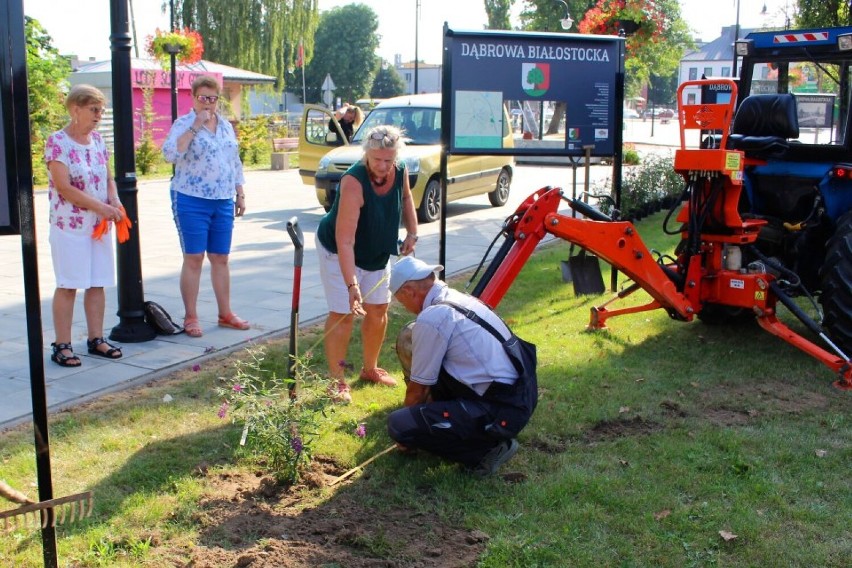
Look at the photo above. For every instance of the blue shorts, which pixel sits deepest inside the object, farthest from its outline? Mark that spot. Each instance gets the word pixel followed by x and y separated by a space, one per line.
pixel 204 225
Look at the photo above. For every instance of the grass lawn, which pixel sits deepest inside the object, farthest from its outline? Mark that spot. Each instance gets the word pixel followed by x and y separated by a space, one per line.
pixel 654 443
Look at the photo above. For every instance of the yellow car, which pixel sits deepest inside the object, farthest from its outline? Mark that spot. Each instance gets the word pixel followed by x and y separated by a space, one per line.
pixel 420 118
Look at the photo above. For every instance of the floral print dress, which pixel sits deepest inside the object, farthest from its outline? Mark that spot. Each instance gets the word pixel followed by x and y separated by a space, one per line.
pixel 87 170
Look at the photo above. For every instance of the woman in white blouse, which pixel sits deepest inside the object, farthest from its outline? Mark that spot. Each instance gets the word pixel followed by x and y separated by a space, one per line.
pixel 208 178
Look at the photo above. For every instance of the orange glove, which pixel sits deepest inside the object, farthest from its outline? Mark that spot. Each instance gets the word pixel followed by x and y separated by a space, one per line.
pixel 122 227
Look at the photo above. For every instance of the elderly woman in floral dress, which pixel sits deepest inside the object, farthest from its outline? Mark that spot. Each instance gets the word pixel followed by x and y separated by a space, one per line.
pixel 82 192
pixel 208 178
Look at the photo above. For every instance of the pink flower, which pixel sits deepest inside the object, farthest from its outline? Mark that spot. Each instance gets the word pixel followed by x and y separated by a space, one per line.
pixel 361 430
pixel 238 388
pixel 196 367
pixel 223 410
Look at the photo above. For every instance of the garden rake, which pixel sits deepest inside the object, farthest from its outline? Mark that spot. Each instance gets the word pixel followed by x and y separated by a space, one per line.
pixel 54 512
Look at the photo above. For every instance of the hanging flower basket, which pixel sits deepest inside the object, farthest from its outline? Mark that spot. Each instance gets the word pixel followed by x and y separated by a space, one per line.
pixel 186 44
pixel 641 17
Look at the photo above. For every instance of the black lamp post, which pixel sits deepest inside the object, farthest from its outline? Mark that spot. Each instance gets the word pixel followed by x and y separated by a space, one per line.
pixel 173 49
pixel 131 327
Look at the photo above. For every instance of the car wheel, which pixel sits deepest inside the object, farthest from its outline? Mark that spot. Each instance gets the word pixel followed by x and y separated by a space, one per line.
pixel 430 206
pixel 500 195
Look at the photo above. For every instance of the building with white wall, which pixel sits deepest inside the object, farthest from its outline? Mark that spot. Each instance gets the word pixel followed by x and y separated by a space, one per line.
pixel 712 59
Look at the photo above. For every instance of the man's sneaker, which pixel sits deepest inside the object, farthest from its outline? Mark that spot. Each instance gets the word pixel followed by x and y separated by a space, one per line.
pixel 492 461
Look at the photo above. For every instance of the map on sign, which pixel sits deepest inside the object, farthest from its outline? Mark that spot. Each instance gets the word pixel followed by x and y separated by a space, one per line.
pixel 479 119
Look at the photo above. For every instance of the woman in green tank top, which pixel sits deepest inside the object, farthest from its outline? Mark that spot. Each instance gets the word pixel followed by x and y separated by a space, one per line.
pixel 355 240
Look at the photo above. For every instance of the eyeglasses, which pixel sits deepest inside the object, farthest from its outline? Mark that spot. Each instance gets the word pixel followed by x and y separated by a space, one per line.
pixel 207 98
pixel 97 110
pixel 383 135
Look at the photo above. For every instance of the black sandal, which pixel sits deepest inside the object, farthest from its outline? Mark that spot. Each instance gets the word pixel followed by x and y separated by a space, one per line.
pixel 110 353
pixel 64 360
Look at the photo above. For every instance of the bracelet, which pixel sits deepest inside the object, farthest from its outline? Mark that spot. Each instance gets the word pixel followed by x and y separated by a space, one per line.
pixel 413 236
pixel 348 286
pixel 241 196
pixel 194 131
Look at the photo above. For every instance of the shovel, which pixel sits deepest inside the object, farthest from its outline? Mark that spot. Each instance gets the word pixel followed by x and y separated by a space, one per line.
pixel 295 233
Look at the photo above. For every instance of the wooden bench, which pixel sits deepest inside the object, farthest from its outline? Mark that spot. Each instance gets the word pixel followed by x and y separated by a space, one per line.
pixel 281 150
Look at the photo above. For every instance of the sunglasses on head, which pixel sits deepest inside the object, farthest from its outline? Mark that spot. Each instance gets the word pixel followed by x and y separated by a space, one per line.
pixel 383 135
pixel 207 98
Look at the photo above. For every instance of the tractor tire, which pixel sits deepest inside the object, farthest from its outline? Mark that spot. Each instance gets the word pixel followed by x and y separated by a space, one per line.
pixel 836 277
pixel 500 195
pixel 430 206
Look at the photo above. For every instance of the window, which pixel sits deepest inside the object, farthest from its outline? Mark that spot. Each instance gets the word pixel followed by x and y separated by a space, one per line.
pixel 693 73
pixel 708 71
pixel 726 71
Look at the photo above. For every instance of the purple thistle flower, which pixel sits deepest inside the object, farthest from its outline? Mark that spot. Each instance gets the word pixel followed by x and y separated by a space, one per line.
pixel 223 410
pixel 296 444
pixel 196 367
pixel 238 388
pixel 361 430
pixel 345 365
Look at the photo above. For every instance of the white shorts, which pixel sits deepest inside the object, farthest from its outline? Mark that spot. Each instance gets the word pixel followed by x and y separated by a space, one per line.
pixel 81 262
pixel 374 284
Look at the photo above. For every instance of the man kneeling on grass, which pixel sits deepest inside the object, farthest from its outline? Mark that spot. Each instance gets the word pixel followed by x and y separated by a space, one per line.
pixel 472 384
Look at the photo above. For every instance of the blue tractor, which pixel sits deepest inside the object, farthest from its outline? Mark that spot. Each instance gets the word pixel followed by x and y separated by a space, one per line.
pixel 795 107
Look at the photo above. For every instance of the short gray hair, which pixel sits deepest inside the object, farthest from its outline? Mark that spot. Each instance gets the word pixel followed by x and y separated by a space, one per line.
pixel 382 137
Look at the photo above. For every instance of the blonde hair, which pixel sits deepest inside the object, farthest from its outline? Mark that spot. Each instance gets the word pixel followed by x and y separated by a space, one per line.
pixel 82 95
pixel 204 81
pixel 359 117
pixel 383 137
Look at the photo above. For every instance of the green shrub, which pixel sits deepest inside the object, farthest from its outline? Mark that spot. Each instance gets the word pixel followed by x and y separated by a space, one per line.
pixel 254 140
pixel 645 188
pixel 630 157
pixel 147 152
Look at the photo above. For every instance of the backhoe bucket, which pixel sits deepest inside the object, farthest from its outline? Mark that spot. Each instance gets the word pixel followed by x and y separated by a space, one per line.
pixel 585 274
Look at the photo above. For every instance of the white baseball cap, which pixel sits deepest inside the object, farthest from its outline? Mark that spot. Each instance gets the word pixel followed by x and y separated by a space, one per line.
pixel 410 268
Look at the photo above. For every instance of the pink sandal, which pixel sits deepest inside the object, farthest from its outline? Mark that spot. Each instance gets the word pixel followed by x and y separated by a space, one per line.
pixel 192 328
pixel 379 376
pixel 233 321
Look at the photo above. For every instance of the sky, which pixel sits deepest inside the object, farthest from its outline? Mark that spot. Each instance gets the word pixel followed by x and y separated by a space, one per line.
pixel 82 27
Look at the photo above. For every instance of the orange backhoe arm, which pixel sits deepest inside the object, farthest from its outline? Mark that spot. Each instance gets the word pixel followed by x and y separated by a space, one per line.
pixel 616 242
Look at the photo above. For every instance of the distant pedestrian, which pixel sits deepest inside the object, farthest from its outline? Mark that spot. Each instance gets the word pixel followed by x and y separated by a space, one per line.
pixel 208 179
pixel 82 192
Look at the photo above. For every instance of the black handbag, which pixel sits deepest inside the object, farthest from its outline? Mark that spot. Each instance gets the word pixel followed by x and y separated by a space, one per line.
pixel 159 319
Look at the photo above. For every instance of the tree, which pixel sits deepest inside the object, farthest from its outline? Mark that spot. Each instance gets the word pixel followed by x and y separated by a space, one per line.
pixel 47 73
pixel 387 84
pixel 823 13
pixel 345 46
pixel 498 14
pixel 260 35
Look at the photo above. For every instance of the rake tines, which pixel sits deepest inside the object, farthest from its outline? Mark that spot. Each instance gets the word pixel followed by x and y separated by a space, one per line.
pixel 53 512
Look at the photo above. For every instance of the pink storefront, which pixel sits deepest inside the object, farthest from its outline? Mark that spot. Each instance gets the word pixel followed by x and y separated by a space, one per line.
pixel 147 74
pixel 160 82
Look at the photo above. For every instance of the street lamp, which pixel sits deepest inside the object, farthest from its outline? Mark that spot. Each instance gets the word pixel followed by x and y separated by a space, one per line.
pixel 567 21
pixel 173 49
pixel 736 37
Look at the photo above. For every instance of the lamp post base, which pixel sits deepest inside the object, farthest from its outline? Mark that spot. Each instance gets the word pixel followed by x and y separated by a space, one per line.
pixel 132 330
